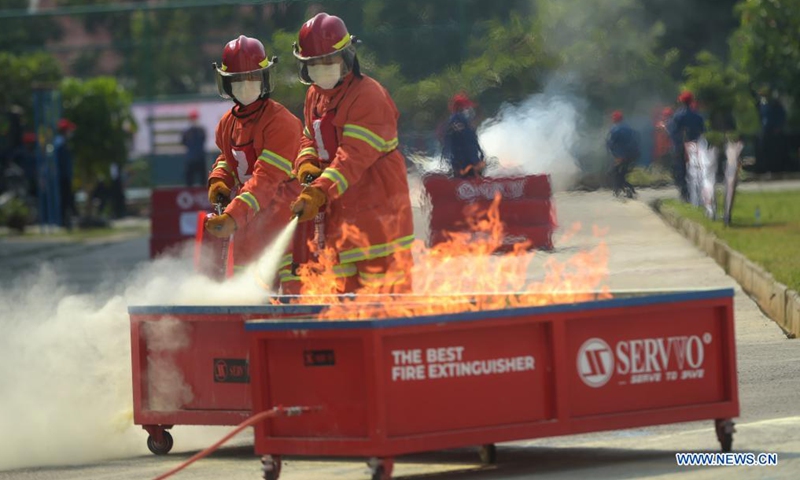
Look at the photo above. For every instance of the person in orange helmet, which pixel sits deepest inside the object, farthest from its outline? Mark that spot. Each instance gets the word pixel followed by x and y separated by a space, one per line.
pixel 349 153
pixel 258 139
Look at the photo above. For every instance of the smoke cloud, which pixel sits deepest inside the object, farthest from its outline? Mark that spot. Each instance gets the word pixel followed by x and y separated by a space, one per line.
pixel 537 136
pixel 65 363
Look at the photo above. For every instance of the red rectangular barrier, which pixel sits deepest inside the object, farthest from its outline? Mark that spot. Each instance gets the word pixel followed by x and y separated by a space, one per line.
pixel 190 365
pixel 485 188
pixel 525 207
pixel 391 387
pixel 528 213
pixel 174 215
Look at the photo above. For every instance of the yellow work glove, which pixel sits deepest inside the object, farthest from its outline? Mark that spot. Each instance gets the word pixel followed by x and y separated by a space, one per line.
pixel 309 202
pixel 306 170
pixel 216 189
pixel 221 226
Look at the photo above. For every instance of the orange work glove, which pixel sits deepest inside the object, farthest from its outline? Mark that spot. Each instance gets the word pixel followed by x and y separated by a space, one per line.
pixel 308 169
pixel 216 189
pixel 221 226
pixel 309 202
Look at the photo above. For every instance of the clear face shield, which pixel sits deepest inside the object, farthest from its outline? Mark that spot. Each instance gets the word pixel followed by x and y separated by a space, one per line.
pixel 326 70
pixel 245 87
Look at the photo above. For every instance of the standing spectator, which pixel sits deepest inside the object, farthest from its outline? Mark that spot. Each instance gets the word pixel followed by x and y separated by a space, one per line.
pixel 194 139
pixel 772 153
pixel 25 158
pixel 662 149
pixel 685 126
pixel 65 129
pixel 623 145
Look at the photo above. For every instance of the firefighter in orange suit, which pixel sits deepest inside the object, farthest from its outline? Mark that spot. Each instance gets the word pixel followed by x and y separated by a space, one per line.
pixel 349 146
pixel 258 140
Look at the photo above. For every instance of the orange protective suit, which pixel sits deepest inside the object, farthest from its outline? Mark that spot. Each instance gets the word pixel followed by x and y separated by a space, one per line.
pixel 258 143
pixel 351 133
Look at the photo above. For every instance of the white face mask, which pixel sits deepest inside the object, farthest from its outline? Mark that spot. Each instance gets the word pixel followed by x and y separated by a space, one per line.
pixel 246 92
pixel 325 76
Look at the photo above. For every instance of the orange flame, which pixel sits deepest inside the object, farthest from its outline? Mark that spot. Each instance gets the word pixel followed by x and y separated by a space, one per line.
pixel 464 273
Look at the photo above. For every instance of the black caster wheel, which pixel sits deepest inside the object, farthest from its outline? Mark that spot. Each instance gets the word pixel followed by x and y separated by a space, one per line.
pixel 160 448
pixel 271 467
pixel 725 431
pixel 379 473
pixel 488 454
pixel 726 442
pixel 381 468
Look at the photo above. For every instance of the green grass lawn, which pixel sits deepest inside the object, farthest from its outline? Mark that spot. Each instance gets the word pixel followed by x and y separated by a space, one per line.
pixel 773 243
pixel 649 177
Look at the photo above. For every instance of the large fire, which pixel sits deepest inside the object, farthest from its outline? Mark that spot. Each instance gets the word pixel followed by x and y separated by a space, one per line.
pixel 464 273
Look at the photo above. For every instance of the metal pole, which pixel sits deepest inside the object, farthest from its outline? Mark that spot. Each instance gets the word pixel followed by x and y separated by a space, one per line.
pixel 41 165
pixel 148 56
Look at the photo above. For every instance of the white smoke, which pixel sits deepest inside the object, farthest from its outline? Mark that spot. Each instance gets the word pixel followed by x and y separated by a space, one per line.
pixel 166 384
pixel 65 363
pixel 538 136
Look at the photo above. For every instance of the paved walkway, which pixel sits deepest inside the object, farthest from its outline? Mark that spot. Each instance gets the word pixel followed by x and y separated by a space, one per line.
pixel 645 253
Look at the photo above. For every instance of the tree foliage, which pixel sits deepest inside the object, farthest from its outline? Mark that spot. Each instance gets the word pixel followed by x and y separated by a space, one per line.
pixel 722 91
pixel 19 36
pixel 608 51
pixel 100 108
pixel 767 44
pixel 628 54
pixel 20 74
pixel 691 26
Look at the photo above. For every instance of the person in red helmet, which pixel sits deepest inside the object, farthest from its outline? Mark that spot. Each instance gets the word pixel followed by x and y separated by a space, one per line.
pixel 623 144
pixel 258 139
pixel 63 154
pixel 350 163
pixel 461 147
pixel 685 126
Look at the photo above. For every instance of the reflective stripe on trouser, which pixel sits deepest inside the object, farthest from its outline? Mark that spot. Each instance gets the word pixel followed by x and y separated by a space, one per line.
pixel 389 274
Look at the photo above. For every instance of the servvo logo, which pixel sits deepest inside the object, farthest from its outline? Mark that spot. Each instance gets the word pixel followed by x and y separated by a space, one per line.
pixel 643 360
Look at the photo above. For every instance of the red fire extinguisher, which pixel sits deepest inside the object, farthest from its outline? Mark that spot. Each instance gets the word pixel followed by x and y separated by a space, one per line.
pixel 305 234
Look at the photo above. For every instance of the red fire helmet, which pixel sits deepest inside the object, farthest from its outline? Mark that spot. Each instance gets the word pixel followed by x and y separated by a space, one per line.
pixel 325 36
pixel 65 125
pixel 321 36
pixel 686 97
pixel 616 116
pixel 460 101
pixel 244 59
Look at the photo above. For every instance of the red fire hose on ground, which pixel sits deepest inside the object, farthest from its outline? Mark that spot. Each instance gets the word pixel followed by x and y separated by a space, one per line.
pixel 277 411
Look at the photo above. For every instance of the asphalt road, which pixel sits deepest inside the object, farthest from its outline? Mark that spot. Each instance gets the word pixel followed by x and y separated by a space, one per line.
pixel 644 253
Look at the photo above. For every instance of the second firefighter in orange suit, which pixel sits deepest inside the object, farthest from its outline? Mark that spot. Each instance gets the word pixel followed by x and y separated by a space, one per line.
pixel 258 139
pixel 349 145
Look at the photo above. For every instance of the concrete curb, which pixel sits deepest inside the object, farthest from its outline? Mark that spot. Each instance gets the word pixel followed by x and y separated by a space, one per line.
pixel 778 302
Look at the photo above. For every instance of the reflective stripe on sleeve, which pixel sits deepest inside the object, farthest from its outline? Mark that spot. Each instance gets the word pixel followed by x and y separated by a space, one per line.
pixel 276 161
